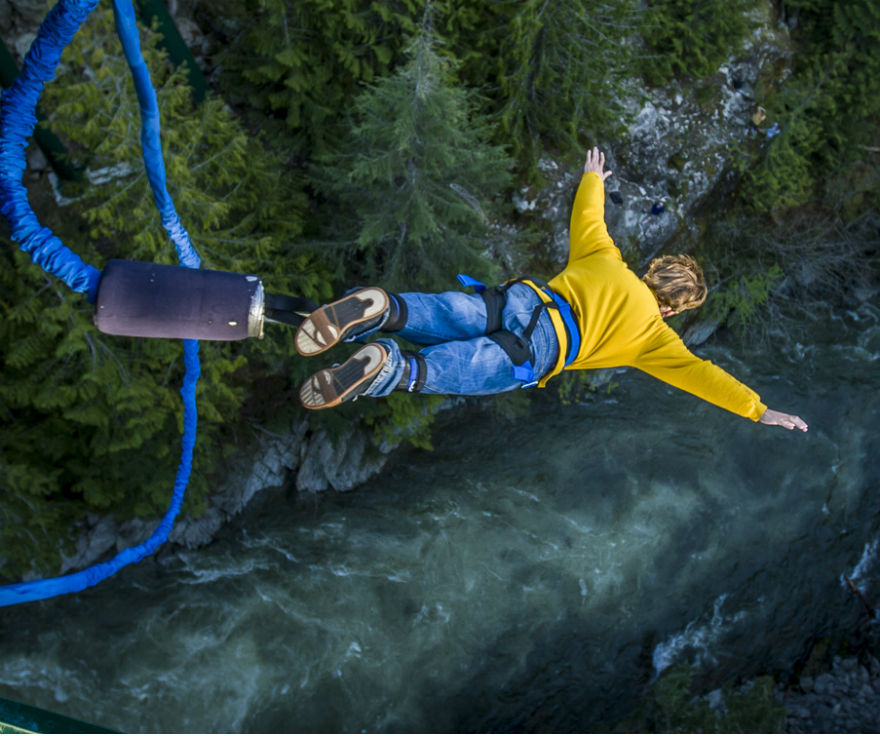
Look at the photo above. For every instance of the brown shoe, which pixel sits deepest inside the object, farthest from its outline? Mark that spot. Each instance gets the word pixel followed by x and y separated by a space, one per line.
pixel 329 324
pixel 331 386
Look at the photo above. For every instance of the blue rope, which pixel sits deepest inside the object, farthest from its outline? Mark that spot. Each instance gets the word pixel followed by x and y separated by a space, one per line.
pixel 126 28
pixel 17 121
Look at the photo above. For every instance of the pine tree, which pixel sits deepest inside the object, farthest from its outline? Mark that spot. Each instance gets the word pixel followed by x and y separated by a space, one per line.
pixel 551 68
pixel 301 62
pixel 416 173
pixel 826 111
pixel 688 37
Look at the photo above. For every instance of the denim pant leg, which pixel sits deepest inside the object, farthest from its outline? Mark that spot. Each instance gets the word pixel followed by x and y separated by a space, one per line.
pixel 475 366
pixel 436 318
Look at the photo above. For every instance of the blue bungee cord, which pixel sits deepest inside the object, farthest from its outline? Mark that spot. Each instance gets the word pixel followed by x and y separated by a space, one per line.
pixel 17 122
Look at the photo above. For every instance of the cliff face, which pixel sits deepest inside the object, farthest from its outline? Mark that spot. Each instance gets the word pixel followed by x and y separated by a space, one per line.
pixel 676 151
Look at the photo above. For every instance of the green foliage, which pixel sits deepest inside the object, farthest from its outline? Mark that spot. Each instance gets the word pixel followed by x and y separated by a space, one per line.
pixel 236 199
pixel 302 62
pixel 754 709
pixel 692 38
pixel 92 422
pixel 827 110
pixel 551 71
pixel 739 299
pixel 415 175
pixel 767 278
pixel 573 387
pixel 779 172
pixel 673 706
pixel 402 416
pixel 75 415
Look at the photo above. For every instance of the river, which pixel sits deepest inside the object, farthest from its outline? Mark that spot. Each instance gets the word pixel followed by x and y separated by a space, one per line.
pixel 527 575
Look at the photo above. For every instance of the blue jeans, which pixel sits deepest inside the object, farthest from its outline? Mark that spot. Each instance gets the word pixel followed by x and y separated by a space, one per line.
pixel 460 358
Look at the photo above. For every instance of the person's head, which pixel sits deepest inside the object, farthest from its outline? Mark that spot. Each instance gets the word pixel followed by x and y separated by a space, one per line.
pixel 677 282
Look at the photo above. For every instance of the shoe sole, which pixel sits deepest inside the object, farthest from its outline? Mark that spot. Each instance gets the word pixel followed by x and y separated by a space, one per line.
pixel 329 324
pixel 332 386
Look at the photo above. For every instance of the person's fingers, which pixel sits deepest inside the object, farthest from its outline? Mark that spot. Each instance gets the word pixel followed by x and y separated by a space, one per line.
pixel 780 419
pixel 595 161
pixel 789 421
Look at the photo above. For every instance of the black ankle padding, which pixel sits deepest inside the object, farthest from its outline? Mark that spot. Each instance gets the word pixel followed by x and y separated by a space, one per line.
pixel 397 314
pixel 421 372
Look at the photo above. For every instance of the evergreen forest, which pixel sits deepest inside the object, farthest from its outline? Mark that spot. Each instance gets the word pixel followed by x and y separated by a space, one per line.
pixel 350 142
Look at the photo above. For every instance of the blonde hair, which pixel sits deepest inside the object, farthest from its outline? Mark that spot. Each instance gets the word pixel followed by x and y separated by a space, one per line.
pixel 677 282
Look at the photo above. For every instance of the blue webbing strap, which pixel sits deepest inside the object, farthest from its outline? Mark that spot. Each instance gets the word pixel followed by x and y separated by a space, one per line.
pixel 413 374
pixel 574 333
pixel 465 280
pixel 17 120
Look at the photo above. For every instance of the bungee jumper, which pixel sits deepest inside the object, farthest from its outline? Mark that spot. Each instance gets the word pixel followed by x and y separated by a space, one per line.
pixel 596 313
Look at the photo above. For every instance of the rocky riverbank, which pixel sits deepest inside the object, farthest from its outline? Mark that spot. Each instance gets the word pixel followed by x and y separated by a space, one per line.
pixel 845 699
pixel 310 460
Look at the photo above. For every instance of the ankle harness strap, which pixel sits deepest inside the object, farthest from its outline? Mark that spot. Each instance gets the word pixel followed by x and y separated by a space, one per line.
pixel 415 372
pixel 397 314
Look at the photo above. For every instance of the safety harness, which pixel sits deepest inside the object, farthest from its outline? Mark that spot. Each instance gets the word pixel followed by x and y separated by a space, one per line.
pixel 517 346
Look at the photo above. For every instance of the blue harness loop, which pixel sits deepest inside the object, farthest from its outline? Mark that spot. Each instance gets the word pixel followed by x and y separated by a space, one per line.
pixel 17 121
pixel 465 280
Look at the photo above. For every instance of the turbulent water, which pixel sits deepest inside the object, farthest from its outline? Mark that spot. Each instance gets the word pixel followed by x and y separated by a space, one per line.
pixel 534 574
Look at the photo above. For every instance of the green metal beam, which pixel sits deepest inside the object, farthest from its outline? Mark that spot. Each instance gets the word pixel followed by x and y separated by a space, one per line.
pixel 19 718
pixel 173 43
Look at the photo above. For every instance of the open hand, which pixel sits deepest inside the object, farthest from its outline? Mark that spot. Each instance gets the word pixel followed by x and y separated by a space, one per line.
pixel 789 421
pixel 596 162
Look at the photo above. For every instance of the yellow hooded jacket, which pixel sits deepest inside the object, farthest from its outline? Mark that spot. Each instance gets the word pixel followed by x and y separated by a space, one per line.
pixel 619 318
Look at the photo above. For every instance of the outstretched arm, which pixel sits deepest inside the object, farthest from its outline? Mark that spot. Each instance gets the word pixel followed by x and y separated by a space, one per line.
pixel 789 421
pixel 587 230
pixel 669 360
